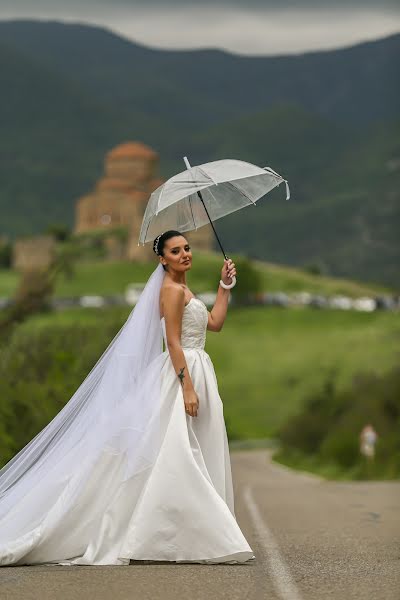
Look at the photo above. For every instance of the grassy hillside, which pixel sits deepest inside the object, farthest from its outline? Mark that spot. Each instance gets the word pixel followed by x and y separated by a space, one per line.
pixel 108 278
pixel 267 361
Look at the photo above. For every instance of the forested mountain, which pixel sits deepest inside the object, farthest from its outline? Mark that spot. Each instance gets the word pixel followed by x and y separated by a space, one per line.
pixel 326 121
pixel 357 84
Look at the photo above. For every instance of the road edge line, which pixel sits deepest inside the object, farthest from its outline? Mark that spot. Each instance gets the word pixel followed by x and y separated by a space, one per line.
pixel 280 574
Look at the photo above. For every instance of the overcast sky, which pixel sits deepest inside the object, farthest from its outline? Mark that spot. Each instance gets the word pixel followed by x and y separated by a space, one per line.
pixel 240 26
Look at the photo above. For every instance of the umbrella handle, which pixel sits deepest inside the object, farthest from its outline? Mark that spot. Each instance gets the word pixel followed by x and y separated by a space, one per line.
pixel 228 286
pixel 224 285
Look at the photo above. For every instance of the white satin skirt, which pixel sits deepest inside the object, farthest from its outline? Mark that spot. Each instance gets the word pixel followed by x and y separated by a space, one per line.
pixel 182 510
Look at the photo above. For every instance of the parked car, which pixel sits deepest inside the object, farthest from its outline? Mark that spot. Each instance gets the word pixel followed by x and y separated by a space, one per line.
pixel 385 303
pixel 341 302
pixel 318 301
pixel 62 303
pixel 300 298
pixel 276 299
pixel 132 292
pixel 5 303
pixel 115 300
pixel 92 301
pixel 364 304
pixel 209 298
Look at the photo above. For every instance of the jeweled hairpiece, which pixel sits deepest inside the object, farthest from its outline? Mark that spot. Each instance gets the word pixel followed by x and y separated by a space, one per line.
pixel 155 246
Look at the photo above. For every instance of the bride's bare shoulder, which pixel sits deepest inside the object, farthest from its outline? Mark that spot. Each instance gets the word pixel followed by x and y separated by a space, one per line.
pixel 171 293
pixel 172 290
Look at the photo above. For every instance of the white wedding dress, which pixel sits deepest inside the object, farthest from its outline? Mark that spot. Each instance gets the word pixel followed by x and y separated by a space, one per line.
pixel 183 510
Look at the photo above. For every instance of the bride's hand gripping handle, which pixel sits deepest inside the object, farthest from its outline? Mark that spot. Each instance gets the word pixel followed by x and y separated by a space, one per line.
pixel 228 272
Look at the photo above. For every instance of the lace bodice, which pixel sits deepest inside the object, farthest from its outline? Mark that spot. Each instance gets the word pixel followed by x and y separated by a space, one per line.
pixel 194 325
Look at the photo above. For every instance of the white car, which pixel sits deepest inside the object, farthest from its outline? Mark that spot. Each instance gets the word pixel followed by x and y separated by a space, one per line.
pixel 92 301
pixel 209 298
pixel 341 302
pixel 133 292
pixel 364 304
pixel 302 298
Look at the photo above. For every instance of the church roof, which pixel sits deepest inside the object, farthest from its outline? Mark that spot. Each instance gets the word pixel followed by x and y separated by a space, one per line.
pixel 132 150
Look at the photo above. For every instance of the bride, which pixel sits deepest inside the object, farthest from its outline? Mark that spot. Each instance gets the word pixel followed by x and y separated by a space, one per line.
pixel 136 465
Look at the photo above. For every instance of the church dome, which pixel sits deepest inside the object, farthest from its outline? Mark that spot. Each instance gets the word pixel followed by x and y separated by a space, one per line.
pixel 132 150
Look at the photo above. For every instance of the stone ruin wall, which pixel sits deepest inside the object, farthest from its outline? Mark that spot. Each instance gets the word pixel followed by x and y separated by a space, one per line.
pixel 120 198
pixel 33 254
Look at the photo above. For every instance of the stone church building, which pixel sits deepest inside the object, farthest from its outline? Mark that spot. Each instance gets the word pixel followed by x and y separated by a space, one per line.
pixel 119 199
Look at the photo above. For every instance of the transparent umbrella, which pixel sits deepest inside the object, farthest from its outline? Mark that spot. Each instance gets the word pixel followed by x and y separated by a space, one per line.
pixel 204 193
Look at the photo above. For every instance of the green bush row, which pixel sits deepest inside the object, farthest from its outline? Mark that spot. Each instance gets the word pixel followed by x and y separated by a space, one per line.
pixel 326 435
pixel 40 369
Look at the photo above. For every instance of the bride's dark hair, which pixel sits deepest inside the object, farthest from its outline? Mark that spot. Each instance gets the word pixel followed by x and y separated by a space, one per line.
pixel 158 244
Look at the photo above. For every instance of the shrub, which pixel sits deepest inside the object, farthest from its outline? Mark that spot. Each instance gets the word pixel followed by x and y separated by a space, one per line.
pixel 40 370
pixel 330 426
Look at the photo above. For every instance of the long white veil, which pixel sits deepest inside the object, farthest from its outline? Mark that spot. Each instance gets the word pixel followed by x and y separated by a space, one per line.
pixel 115 408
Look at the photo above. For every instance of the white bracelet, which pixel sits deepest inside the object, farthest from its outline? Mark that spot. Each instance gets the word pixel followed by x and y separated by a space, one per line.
pixel 228 286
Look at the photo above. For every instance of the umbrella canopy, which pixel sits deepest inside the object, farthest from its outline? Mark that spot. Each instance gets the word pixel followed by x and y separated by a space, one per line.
pixel 224 186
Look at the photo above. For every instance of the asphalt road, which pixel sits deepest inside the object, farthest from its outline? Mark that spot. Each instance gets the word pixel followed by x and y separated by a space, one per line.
pixel 312 539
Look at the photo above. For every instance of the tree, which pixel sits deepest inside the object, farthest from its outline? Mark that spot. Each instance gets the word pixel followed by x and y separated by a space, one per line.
pixel 249 281
pixel 59 231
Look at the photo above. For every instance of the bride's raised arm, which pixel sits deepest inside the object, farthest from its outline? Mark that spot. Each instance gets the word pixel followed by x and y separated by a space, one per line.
pixel 217 315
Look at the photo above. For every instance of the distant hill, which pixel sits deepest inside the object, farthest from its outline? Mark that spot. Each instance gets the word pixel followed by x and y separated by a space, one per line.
pixel 54 134
pixel 345 208
pixel 325 120
pixel 357 84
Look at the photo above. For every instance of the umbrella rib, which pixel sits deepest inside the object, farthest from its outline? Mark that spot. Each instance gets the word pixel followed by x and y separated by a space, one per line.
pixel 207 175
pixel 190 204
pixel 206 185
pixel 272 172
pixel 189 181
pixel 159 198
pixel 239 190
pixel 148 225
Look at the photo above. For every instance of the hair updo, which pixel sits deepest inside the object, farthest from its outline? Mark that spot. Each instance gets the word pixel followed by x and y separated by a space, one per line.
pixel 158 244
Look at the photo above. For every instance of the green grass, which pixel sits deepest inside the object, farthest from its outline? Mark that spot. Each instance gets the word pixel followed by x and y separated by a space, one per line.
pixel 75 316
pixel 267 359
pixel 107 278
pixel 313 464
pixel 8 282
pixel 289 279
pixel 332 470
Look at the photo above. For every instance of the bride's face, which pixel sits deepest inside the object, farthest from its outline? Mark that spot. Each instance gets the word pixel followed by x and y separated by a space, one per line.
pixel 177 254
